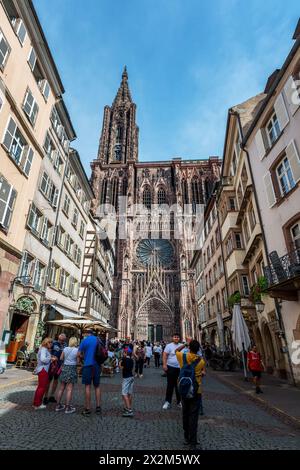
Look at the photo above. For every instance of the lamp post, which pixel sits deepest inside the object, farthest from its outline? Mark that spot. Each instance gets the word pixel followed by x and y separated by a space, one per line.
pixel 259 306
pixel 27 286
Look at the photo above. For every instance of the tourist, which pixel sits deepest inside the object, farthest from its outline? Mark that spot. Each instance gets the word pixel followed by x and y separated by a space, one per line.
pixel 172 369
pixel 208 354
pixel 68 376
pixel 255 366
pixel 44 359
pixel 127 365
pixel 148 354
pixel 90 371
pixel 57 349
pixel 157 350
pixel 191 405
pixel 139 355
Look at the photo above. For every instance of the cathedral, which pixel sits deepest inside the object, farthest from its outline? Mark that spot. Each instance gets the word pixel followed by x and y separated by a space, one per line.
pixel 153 294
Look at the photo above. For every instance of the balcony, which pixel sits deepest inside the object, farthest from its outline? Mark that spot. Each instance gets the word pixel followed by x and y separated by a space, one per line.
pixel 283 275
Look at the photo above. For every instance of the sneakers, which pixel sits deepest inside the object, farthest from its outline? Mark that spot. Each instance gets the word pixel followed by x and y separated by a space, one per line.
pixel 98 410
pixel 59 407
pixel 70 409
pixel 86 412
pixel 128 414
pixel 41 407
pixel 52 400
pixel 166 405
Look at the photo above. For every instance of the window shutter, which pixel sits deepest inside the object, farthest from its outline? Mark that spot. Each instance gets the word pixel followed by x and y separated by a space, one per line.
pixel 293 157
pixel 260 144
pixel 28 161
pixel 292 95
pixel 32 58
pixel 281 112
pixel 269 189
pixel 55 198
pixel 28 103
pixel 9 134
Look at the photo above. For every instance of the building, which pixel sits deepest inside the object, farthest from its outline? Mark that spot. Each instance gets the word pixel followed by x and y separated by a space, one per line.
pixel 211 286
pixel 30 87
pixel 97 274
pixel 273 144
pixel 153 285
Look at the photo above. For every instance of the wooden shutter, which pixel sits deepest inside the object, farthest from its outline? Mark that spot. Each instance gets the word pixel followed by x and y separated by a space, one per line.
pixel 281 112
pixel 293 157
pixel 28 103
pixel 292 95
pixel 260 144
pixel 28 161
pixel 269 189
pixel 9 134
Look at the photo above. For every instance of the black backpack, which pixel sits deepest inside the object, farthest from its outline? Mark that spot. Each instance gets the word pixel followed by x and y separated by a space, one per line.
pixel 187 383
pixel 101 353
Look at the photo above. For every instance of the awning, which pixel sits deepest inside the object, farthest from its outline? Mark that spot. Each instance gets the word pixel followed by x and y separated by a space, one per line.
pixel 66 313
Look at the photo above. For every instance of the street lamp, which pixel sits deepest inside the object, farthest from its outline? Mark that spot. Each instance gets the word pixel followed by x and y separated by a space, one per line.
pixel 27 286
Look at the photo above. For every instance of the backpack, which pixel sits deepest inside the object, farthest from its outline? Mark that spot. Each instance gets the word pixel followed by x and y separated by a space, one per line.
pixel 101 353
pixel 187 383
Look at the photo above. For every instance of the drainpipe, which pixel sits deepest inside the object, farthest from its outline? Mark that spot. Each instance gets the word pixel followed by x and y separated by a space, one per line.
pixel 277 306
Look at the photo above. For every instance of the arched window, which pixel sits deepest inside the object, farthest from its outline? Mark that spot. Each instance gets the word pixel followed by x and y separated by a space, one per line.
pixel 196 193
pixel 185 193
pixel 118 152
pixel 114 193
pixel 119 135
pixel 147 198
pixel 161 196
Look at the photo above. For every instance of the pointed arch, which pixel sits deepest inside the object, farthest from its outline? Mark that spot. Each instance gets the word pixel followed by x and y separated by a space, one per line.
pixel 147 197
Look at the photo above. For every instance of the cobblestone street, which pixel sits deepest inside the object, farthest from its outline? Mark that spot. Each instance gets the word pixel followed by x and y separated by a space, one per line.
pixel 231 420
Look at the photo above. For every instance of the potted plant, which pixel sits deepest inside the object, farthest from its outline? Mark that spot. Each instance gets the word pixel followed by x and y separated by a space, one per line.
pixel 259 289
pixel 25 304
pixel 234 298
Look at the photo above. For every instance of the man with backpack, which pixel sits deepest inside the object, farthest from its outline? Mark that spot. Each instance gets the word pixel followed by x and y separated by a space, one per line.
pixel 93 353
pixel 192 367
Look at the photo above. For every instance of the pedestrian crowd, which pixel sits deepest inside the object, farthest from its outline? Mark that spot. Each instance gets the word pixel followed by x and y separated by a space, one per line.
pixel 184 366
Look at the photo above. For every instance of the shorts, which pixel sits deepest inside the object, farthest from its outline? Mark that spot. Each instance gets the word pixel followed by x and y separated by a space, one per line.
pixel 256 373
pixel 127 386
pixel 91 374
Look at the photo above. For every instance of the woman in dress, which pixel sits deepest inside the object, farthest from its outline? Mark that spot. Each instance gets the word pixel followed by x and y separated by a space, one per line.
pixel 68 376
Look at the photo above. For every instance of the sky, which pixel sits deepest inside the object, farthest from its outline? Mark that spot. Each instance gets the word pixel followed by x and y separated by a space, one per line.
pixel 188 61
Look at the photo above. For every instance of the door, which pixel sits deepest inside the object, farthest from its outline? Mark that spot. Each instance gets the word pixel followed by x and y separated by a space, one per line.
pixel 151 333
pixel 159 333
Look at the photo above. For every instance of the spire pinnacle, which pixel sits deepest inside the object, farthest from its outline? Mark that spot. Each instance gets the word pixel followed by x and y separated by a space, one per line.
pixel 125 74
pixel 123 93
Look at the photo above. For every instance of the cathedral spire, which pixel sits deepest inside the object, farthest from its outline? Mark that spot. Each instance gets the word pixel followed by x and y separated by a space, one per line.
pixel 123 95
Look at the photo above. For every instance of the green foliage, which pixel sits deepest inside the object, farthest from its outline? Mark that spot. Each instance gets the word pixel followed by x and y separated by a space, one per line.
pixel 25 304
pixel 40 331
pixel 259 289
pixel 235 298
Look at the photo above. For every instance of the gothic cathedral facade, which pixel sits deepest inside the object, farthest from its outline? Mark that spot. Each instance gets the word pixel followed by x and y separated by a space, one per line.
pixel 153 293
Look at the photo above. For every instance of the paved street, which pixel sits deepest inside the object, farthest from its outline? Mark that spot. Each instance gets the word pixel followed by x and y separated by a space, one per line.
pixel 232 420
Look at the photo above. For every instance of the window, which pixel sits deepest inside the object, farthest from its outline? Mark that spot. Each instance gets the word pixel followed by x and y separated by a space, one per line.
pixel 295 232
pixel 231 202
pixel 7 199
pixel 118 152
pixel 218 302
pixel 49 190
pixel 62 280
pixel 224 298
pixel 75 217
pixel 147 198
pixel 4 50
pixel 54 275
pixel 32 58
pixel 61 237
pixel 35 219
pixel 58 162
pixel 238 240
pixel 273 129
pixel 285 176
pixel 220 264
pixel 17 147
pixel 245 284
pixel 49 147
pixel 246 230
pixel 27 265
pixel 68 244
pixel 30 107
pixel 161 197
pixel 19 29
pixel 77 255
pixel 81 230
pixel 252 217
pixel 254 276
pixel 39 275
pixel 66 206
pixel 46 231
pixel 44 87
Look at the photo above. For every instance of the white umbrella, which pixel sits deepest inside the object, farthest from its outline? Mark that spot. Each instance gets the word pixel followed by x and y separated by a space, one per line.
pixel 240 333
pixel 82 324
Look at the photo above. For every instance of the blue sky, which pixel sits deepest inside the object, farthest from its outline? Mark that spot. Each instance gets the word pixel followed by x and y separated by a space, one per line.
pixel 188 61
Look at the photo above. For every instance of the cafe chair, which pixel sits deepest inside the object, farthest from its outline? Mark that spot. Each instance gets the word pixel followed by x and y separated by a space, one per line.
pixel 21 359
pixel 32 360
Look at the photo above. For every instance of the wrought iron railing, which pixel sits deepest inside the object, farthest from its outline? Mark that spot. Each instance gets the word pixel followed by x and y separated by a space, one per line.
pixel 284 268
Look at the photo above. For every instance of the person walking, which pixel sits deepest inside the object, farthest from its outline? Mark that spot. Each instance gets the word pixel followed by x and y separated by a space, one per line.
pixel 90 371
pixel 68 376
pixel 127 365
pixel 172 369
pixel 57 349
pixel 255 366
pixel 192 402
pixel 139 355
pixel 148 354
pixel 157 350
pixel 44 360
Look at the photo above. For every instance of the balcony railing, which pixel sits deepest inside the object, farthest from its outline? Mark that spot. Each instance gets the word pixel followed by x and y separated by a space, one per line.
pixel 282 269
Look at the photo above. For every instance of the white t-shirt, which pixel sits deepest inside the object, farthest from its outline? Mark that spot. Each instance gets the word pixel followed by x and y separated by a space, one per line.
pixel 148 351
pixel 70 356
pixel 170 349
pixel 157 349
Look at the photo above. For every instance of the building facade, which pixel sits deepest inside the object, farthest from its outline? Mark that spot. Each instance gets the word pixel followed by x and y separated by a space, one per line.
pixel 273 145
pixel 153 285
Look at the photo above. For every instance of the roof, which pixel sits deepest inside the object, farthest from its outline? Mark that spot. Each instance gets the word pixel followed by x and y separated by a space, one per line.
pixel 248 110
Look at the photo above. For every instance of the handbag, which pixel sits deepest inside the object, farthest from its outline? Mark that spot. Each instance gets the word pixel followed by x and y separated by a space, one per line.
pixel 54 369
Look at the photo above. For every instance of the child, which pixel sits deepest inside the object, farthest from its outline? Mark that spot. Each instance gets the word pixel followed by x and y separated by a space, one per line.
pixel 128 379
